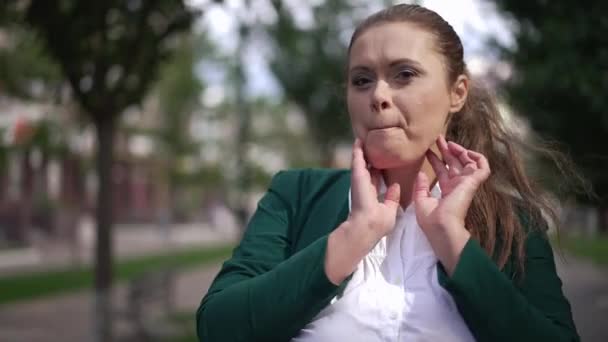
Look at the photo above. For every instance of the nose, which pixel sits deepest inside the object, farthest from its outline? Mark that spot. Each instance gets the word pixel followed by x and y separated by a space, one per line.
pixel 380 99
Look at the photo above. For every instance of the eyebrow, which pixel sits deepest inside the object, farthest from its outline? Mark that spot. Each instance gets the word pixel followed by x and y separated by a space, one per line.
pixel 399 61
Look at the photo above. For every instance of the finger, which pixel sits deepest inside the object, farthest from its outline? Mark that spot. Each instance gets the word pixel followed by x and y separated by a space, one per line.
pixel 453 163
pixel 469 165
pixel 461 153
pixel 482 163
pixel 375 175
pixel 358 161
pixel 361 185
pixel 393 196
pixel 479 159
pixel 438 166
pixel 421 187
pixel 422 196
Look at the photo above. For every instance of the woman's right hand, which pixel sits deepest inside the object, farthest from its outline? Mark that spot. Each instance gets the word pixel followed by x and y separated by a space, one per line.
pixel 372 217
pixel 369 219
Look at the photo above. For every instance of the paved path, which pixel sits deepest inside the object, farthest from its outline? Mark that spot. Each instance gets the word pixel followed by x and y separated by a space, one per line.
pixel 586 286
pixel 129 241
pixel 68 317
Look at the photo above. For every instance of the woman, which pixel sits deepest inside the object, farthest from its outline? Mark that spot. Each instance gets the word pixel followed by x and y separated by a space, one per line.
pixel 420 240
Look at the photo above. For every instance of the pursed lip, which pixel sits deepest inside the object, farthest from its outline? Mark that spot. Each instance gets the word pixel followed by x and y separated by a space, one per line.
pixel 383 127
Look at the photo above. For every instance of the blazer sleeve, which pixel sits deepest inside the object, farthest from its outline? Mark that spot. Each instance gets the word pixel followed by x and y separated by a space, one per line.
pixel 262 293
pixel 498 309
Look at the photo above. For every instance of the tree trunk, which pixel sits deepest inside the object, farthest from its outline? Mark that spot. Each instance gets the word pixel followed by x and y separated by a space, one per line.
pixel 244 176
pixel 43 170
pixel 169 211
pixel 103 254
pixel 602 212
pixel 27 188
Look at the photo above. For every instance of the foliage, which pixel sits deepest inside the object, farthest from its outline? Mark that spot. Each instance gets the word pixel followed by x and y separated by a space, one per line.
pixel 560 62
pixel 310 64
pixel 26 70
pixel 178 91
pixel 592 248
pixel 110 53
pixel 110 50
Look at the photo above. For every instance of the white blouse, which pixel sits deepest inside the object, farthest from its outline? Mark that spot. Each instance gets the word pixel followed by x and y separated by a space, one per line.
pixel 394 294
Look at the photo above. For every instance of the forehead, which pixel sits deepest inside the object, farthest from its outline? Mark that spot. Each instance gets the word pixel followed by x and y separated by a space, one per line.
pixel 392 41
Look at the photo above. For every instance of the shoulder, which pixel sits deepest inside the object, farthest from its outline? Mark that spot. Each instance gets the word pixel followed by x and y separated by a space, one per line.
pixel 537 249
pixel 535 231
pixel 306 193
pixel 292 182
pixel 528 243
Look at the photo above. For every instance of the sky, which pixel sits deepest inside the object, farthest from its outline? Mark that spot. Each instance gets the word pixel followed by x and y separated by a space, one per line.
pixel 475 21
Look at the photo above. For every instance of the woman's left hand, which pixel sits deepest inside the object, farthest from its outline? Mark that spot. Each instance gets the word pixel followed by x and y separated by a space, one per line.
pixel 443 219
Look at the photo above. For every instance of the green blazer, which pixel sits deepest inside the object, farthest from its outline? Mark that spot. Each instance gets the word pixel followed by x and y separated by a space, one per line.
pixel 275 283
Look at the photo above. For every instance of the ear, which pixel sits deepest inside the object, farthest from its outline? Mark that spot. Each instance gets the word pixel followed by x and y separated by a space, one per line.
pixel 459 93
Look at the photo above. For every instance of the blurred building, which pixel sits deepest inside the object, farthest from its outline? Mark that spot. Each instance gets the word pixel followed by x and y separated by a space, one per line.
pixel 47 174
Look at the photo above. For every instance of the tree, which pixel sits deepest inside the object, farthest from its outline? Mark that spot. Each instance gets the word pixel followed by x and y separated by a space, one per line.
pixel 178 91
pixel 26 70
pixel 109 51
pixel 560 62
pixel 310 64
pixel 27 73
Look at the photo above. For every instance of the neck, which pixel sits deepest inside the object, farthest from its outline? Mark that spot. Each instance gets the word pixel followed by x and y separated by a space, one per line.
pixel 406 177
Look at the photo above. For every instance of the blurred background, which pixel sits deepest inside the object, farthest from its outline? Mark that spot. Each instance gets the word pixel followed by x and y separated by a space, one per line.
pixel 136 137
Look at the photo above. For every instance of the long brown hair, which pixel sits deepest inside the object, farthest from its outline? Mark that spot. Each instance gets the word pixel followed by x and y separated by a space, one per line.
pixel 510 195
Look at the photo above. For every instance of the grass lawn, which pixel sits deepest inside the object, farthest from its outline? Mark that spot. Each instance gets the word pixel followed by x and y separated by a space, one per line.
pixel 40 284
pixel 591 248
pixel 185 322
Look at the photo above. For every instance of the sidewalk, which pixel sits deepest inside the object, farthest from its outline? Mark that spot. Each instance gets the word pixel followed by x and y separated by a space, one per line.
pixel 129 241
pixel 586 286
pixel 69 317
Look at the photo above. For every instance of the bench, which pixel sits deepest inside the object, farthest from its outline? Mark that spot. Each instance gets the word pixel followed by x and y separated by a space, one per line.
pixel 149 304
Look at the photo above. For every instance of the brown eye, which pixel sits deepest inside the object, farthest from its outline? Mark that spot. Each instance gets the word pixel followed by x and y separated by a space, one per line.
pixel 360 81
pixel 405 75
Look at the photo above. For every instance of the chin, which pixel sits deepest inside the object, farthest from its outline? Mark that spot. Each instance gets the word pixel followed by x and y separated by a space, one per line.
pixel 389 158
pixel 384 152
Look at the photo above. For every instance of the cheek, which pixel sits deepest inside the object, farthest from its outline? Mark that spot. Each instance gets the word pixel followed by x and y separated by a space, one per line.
pixel 356 105
pixel 425 109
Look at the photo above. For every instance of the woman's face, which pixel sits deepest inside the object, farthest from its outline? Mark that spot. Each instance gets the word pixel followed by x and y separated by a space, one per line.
pixel 398 93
